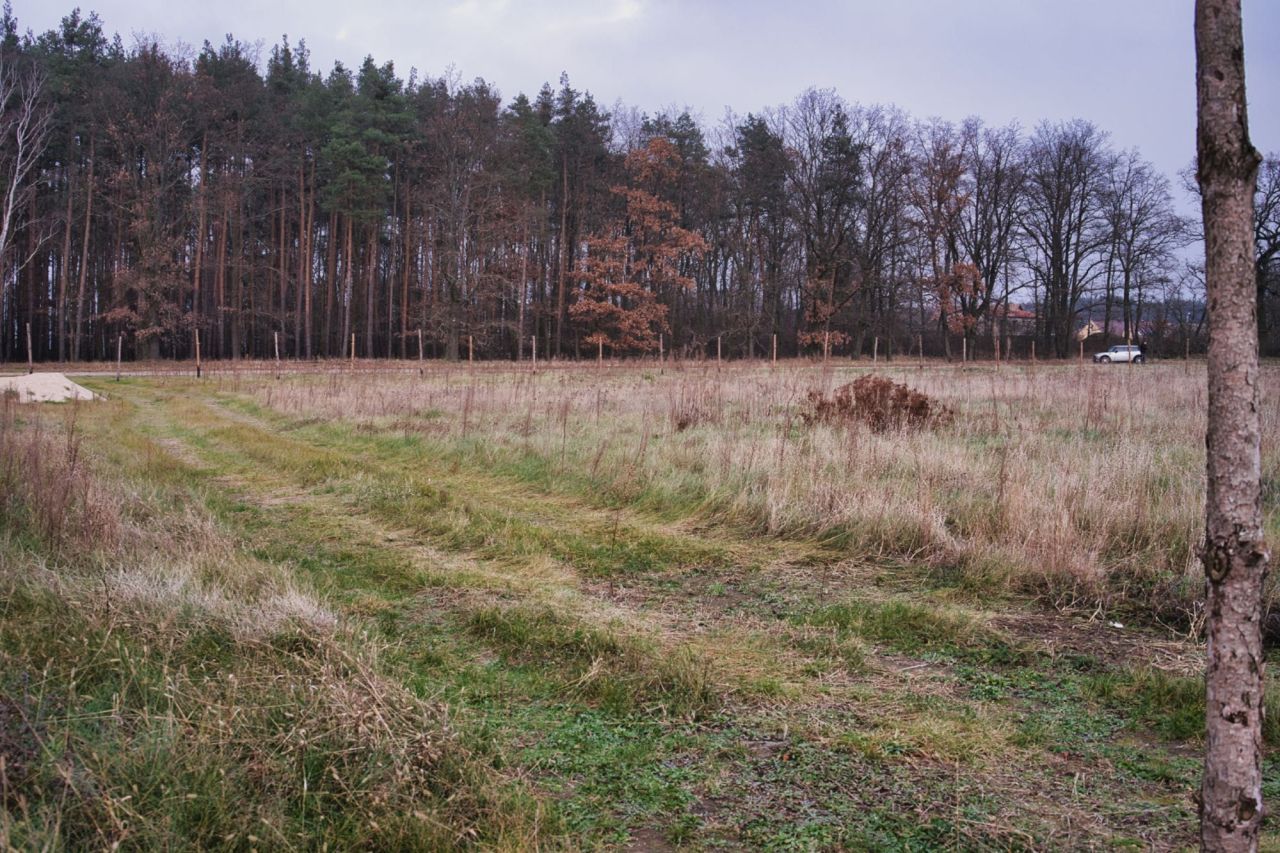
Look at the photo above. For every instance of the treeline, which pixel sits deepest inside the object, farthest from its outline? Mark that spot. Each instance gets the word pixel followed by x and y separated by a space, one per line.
pixel 152 196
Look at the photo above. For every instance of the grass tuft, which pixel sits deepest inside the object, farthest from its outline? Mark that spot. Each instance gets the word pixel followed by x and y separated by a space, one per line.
pixel 902 625
pixel 623 673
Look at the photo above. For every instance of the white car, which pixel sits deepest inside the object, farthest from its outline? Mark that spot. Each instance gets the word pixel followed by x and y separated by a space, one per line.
pixel 1120 352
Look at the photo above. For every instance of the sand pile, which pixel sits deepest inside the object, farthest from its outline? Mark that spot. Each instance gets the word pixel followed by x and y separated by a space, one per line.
pixel 44 388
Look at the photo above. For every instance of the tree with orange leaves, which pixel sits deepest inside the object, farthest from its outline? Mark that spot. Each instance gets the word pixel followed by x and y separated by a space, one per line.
pixel 637 259
pixel 957 291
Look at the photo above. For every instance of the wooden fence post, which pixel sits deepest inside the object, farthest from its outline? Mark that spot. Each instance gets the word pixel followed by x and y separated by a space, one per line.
pixel 197 353
pixel 775 348
pixel 31 364
pixel 119 351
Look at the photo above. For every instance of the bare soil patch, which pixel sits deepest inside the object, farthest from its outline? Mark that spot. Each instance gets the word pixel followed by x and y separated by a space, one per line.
pixel 1108 643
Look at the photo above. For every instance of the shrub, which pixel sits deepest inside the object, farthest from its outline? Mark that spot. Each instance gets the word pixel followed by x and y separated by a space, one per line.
pixel 878 402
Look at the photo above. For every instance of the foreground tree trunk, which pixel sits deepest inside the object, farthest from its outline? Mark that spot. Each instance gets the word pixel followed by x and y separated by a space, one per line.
pixel 1235 555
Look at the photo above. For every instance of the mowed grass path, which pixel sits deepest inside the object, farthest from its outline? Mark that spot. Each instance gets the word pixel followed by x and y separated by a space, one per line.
pixel 662 681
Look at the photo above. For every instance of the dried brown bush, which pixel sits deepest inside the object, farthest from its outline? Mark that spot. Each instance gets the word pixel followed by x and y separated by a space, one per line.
pixel 46 487
pixel 880 403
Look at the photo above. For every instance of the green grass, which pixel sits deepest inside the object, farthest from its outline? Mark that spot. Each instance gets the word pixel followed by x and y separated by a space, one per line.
pixel 624 674
pixel 909 627
pixel 1170 706
pixel 523 650
pixel 204 741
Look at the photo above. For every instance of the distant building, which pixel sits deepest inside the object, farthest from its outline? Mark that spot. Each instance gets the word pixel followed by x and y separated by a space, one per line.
pixel 1018 320
pixel 1114 329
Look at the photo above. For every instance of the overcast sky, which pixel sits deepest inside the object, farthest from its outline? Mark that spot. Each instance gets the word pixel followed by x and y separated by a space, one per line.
pixel 1127 65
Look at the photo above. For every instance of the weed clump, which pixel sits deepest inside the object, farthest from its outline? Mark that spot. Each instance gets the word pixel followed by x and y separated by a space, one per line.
pixel 878 402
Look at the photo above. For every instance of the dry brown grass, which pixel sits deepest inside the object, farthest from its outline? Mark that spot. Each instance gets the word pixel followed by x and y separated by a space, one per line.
pixel 1079 483
pixel 45 482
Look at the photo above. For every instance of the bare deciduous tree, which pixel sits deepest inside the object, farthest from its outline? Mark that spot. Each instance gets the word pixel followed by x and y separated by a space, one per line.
pixel 828 190
pixel 25 121
pixel 939 199
pixel 1144 230
pixel 989 224
pixel 1066 169
pixel 1235 554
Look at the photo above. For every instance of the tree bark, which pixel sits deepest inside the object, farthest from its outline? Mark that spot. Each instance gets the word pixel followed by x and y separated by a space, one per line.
pixel 201 225
pixel 1235 554
pixel 283 261
pixel 84 255
pixel 301 331
pixel 237 309
pixel 330 281
pixel 524 286
pixel 347 295
pixel 564 258
pixel 370 302
pixel 406 256
pixel 63 274
pixel 307 239
pixel 220 282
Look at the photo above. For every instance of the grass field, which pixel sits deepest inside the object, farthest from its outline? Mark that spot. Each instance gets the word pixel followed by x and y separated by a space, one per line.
pixel 627 607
